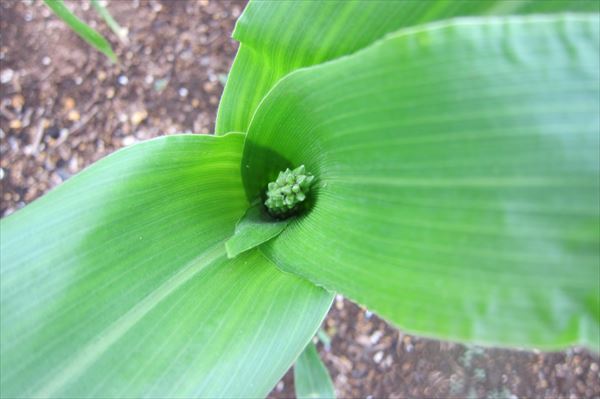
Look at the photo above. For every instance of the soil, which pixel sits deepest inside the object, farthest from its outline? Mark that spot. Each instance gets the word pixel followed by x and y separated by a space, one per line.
pixel 368 358
pixel 63 106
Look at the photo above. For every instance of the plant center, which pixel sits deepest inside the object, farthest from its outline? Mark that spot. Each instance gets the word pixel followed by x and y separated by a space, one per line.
pixel 286 194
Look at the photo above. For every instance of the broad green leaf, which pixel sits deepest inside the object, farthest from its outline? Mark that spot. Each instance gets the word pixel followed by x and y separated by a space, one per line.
pixel 86 32
pixel 117 283
pixel 459 178
pixel 253 229
pixel 278 37
pixel 311 378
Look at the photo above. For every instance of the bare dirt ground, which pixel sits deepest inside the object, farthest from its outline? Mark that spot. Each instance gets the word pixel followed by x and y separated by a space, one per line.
pixel 63 106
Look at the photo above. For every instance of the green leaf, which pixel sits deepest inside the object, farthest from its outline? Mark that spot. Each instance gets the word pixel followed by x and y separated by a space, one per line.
pixel 311 378
pixel 324 338
pixel 279 37
pixel 253 229
pixel 110 21
pixel 86 32
pixel 117 283
pixel 459 178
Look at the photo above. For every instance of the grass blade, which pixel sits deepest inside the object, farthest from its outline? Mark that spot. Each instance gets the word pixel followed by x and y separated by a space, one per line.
pixel 311 378
pixel 85 31
pixel 110 21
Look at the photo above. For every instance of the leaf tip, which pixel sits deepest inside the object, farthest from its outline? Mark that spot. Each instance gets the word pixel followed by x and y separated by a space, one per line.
pixel 230 249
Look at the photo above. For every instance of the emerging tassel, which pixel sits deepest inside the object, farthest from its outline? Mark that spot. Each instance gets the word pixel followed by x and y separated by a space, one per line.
pixel 285 194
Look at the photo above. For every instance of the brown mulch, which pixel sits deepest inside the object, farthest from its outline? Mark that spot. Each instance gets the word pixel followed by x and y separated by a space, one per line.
pixel 64 106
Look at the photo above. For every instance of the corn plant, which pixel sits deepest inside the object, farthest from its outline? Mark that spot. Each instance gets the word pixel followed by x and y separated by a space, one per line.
pixel 437 162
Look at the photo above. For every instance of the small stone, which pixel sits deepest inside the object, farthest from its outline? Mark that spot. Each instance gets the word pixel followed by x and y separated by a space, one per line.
pixel 46 61
pixel 53 132
pixel 73 115
pixel 183 92
pixel 68 104
pixel 208 87
pixel 110 92
pixel 101 76
pixel 15 124
pixel 138 117
pixel 387 362
pixel 6 75
pixel 378 357
pixel 17 102
pixel 161 84
pixel 280 386
pixel 123 80
pixel 222 79
pixel 1 173
pixel 129 140
pixel 149 79
pixel 375 337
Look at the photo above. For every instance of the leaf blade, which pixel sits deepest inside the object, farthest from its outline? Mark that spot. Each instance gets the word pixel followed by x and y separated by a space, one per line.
pixel 117 284
pixel 459 178
pixel 87 33
pixel 311 378
pixel 273 44
pixel 110 21
pixel 253 229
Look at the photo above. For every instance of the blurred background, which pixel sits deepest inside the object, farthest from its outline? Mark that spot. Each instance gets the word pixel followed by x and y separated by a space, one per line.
pixel 63 105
